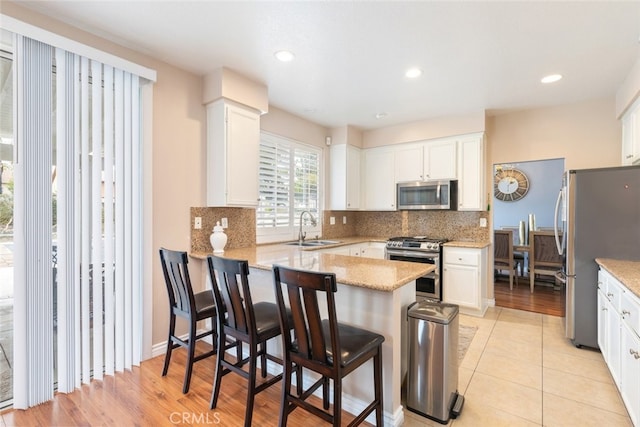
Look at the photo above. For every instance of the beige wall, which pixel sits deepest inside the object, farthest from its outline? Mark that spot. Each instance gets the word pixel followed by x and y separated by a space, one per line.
pixel 425 129
pixel 585 134
pixel 178 153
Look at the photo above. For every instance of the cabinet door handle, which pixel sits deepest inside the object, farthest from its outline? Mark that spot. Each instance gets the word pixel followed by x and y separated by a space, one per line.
pixel 609 294
pixel 634 353
pixel 624 312
pixel 629 156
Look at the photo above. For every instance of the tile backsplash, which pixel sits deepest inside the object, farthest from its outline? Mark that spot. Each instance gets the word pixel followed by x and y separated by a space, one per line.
pixel 240 233
pixel 451 225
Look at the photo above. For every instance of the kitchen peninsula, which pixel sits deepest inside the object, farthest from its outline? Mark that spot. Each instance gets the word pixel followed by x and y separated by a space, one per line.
pixel 372 293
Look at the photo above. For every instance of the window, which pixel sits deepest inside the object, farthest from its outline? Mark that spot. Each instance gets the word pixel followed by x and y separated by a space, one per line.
pixel 289 184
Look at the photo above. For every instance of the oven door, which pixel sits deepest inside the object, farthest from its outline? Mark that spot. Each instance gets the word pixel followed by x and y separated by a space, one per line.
pixel 427 286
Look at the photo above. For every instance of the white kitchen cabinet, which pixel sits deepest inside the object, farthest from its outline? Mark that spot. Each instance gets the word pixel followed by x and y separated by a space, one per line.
pixel 471 166
pixel 345 177
pixel 619 339
pixel 630 372
pixel 365 250
pixel 426 161
pixel 379 179
pixel 464 279
pixel 440 160
pixel 409 162
pixel 233 146
pixel 631 135
pixel 370 250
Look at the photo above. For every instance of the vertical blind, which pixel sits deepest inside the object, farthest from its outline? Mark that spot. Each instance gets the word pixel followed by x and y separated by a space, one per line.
pixel 97 278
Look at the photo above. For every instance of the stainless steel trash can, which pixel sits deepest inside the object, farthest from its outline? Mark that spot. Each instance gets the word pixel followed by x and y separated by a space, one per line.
pixel 432 370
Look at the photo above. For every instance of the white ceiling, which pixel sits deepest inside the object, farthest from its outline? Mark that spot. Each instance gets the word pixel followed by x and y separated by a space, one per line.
pixel 351 56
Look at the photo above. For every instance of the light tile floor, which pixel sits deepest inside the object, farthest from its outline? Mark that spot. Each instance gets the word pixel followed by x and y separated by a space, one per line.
pixel 520 370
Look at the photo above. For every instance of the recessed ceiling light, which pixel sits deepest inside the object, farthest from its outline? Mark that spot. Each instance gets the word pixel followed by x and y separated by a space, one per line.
pixel 414 72
pixel 381 115
pixel 551 78
pixel 284 55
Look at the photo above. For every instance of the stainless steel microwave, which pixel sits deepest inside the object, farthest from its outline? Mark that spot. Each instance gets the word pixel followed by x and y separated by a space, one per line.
pixel 427 195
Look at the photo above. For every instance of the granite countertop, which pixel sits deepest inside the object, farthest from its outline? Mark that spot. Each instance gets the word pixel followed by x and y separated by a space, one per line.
pixel 627 272
pixel 466 244
pixel 376 274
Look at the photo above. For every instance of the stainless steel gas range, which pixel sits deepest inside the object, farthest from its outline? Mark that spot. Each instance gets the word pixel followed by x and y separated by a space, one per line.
pixel 420 249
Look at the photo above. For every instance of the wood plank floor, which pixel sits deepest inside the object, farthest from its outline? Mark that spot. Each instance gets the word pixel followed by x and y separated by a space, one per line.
pixel 543 300
pixel 142 397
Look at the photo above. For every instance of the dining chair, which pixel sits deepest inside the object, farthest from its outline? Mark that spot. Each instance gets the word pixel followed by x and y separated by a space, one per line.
pixel 331 349
pixel 241 321
pixel 544 257
pixel 519 256
pixel 184 303
pixel 503 258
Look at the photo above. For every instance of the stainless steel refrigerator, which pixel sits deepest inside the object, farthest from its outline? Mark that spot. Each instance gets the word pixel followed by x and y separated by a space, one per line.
pixel 597 216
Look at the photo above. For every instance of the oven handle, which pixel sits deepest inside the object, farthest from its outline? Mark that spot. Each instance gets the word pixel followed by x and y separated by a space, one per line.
pixel 413 254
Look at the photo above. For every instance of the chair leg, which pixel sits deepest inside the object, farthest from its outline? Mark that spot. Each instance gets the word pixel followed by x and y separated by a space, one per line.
pixel 191 351
pixel 325 393
pixel 337 402
pixel 377 383
pixel 531 280
pixel 286 386
pixel 263 359
pixel 510 280
pixel 167 356
pixel 217 379
pixel 251 386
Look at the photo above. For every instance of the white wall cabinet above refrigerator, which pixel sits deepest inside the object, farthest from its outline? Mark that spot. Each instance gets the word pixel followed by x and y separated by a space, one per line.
pixel 344 177
pixel 631 135
pixel 426 161
pixel 233 145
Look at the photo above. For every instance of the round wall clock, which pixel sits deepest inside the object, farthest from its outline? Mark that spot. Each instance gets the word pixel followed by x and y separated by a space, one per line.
pixel 510 185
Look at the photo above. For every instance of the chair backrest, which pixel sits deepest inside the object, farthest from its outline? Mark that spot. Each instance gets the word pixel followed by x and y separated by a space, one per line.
pixel 176 277
pixel 503 246
pixel 230 283
pixel 515 230
pixel 543 249
pixel 303 289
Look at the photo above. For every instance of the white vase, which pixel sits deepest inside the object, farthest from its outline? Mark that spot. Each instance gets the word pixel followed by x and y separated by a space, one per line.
pixel 218 238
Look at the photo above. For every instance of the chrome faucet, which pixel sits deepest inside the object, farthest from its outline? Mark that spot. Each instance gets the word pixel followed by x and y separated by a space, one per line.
pixel 302 235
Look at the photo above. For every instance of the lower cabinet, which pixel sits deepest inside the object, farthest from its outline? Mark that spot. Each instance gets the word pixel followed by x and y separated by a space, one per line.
pixel 619 338
pixel 464 279
pixel 365 250
pixel 630 371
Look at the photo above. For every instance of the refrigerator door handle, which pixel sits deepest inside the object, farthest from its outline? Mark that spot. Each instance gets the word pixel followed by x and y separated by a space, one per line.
pixel 556 230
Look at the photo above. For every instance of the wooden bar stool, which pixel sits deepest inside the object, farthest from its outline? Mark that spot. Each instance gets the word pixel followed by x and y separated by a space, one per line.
pixel 184 303
pixel 245 322
pixel 324 346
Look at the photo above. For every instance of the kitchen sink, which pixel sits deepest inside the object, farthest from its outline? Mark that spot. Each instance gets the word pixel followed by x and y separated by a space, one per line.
pixel 314 243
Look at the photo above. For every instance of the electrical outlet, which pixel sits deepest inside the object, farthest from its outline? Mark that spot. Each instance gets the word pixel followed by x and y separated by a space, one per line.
pixel 225 223
pixel 332 220
pixel 197 223
pixel 344 219
pixel 483 222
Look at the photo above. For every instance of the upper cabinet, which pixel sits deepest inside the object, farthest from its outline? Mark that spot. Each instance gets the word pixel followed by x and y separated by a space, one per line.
pixel 426 161
pixel 471 166
pixel 233 145
pixel 379 181
pixel 631 135
pixel 440 160
pixel 344 177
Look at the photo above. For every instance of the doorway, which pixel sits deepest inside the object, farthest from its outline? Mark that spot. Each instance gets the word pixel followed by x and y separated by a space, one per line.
pixel 524 196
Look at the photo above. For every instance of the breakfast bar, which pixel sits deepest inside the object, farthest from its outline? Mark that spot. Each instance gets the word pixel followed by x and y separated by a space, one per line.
pixel 372 293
